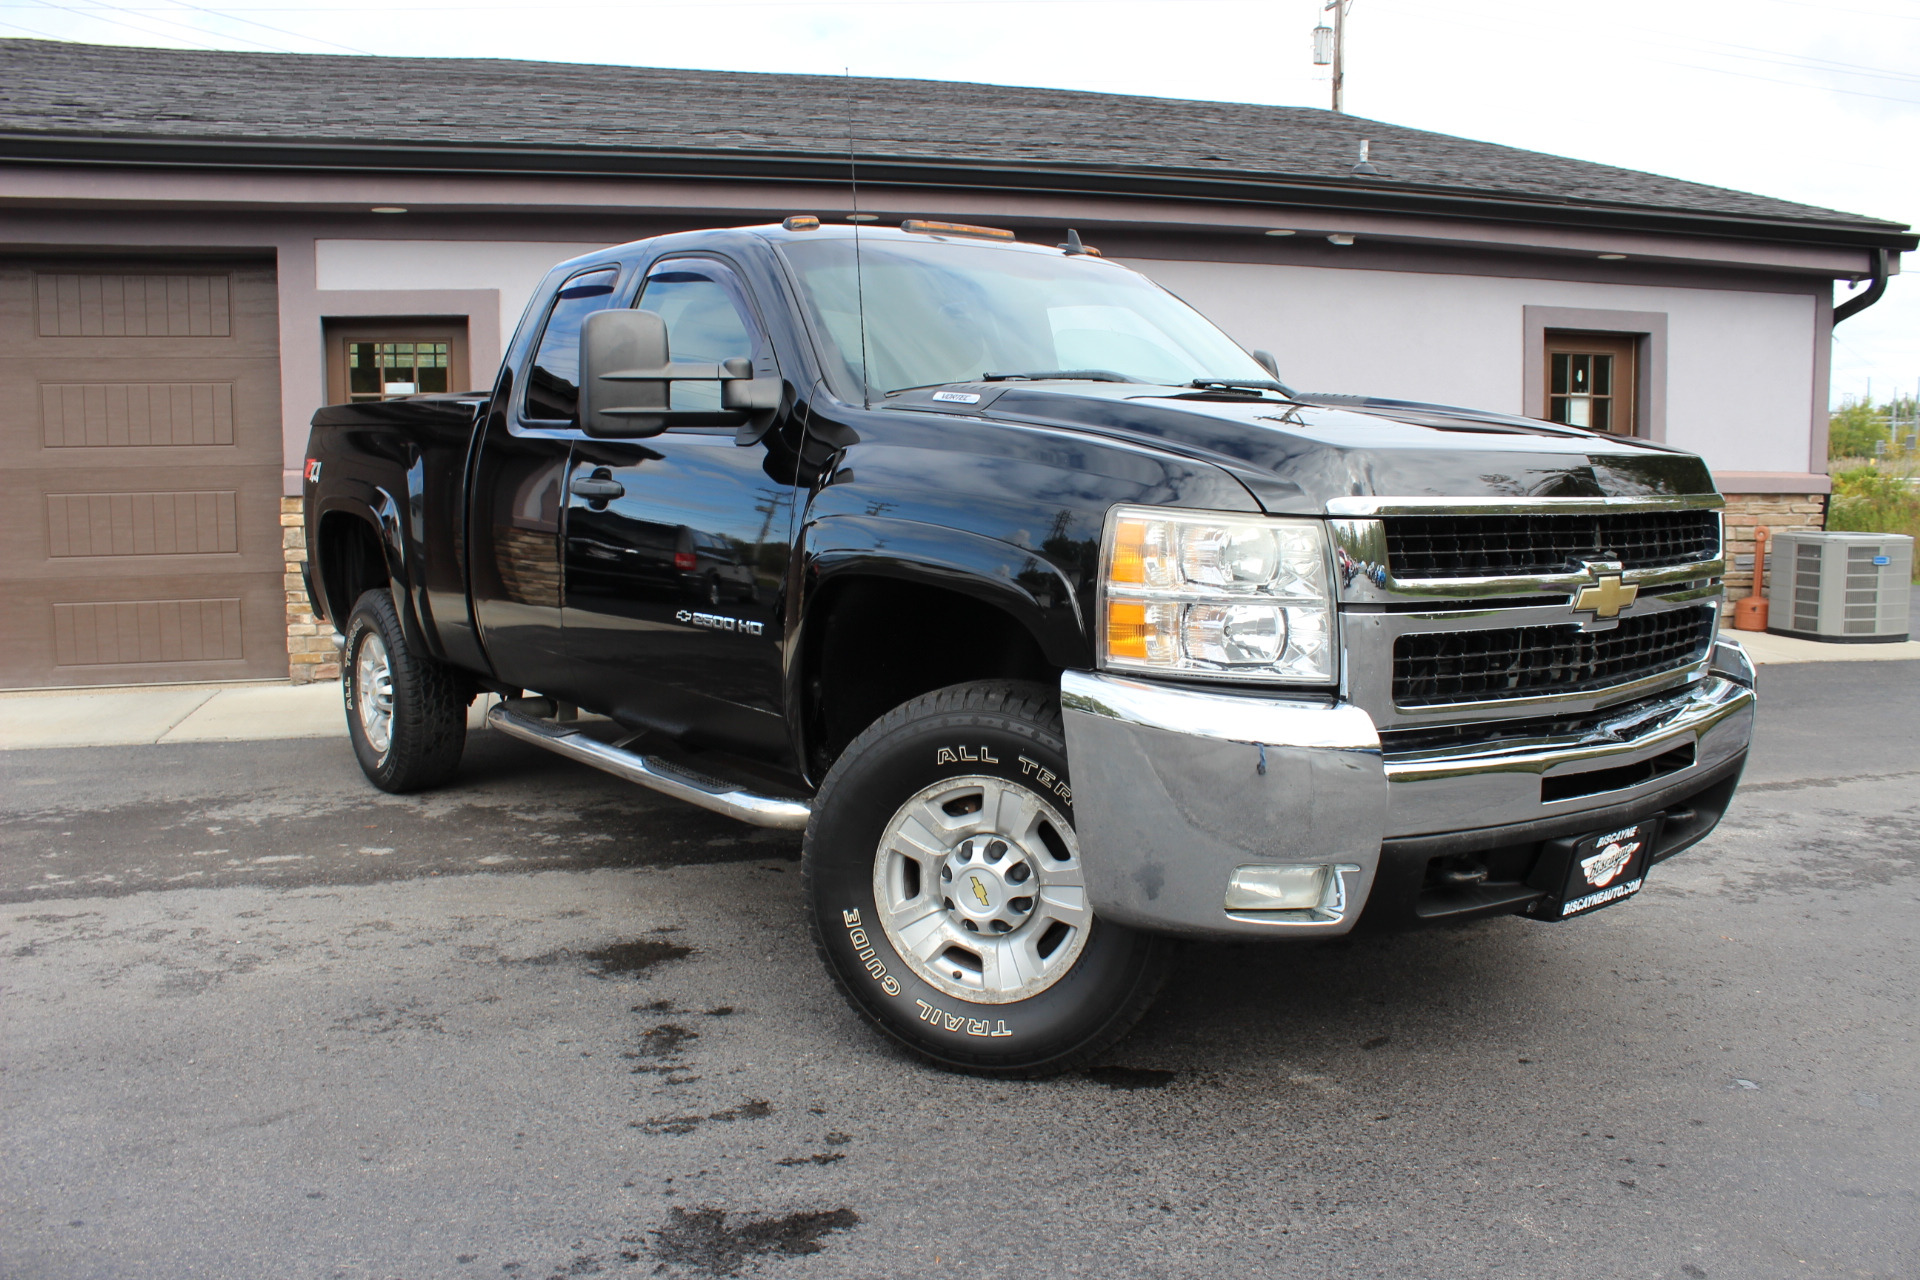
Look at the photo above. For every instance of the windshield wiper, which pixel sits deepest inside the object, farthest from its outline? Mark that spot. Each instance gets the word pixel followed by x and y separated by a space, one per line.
pixel 1237 384
pixel 925 386
pixel 1060 375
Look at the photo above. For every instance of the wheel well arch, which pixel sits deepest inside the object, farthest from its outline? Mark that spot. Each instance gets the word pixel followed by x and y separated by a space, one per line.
pixel 873 641
pixel 351 558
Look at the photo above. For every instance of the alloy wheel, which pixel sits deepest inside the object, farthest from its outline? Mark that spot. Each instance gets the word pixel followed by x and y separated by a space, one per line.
pixel 980 889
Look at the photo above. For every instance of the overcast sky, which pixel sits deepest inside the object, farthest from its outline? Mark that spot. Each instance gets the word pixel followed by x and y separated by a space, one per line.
pixel 1809 101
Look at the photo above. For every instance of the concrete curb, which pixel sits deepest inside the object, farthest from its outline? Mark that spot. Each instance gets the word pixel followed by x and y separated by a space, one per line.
pixel 165 714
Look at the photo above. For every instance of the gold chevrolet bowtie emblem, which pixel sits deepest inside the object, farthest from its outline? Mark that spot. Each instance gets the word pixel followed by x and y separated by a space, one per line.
pixel 1605 598
pixel 979 890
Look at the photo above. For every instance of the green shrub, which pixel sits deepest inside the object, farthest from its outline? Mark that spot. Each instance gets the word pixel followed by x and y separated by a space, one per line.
pixel 1876 500
pixel 1861 429
pixel 1854 430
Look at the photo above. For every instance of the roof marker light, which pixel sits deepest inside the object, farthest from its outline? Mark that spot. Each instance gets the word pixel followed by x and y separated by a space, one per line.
pixel 1279 231
pixel 802 222
pixel 387 208
pixel 1340 238
pixel 954 229
pixel 1612 257
pixel 863 217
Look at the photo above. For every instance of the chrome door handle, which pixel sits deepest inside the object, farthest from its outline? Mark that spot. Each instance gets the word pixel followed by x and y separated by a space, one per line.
pixel 596 488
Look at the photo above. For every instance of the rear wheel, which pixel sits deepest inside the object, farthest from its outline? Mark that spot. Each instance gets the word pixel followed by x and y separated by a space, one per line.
pixel 946 892
pixel 406 713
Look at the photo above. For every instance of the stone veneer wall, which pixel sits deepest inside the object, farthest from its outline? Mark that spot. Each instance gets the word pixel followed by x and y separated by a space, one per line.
pixel 310 652
pixel 1748 511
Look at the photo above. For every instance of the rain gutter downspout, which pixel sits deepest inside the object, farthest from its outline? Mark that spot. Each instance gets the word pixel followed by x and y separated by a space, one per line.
pixel 1853 306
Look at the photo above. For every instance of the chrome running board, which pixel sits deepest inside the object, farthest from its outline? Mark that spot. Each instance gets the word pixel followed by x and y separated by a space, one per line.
pixel 651 771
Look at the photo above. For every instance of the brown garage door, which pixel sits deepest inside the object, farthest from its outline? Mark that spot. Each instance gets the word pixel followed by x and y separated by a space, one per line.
pixel 139 473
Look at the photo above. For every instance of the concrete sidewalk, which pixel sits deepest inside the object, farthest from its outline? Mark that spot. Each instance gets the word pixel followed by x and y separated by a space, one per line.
pixel 132 716
pixel 1764 648
pixel 276 709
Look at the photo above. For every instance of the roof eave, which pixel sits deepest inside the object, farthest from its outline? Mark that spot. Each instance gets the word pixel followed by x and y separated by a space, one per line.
pixel 1373 195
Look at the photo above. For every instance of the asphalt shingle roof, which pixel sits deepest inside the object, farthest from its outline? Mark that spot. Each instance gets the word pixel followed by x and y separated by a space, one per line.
pixel 52 89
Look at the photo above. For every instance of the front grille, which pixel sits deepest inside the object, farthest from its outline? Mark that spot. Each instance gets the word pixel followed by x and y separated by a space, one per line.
pixel 1443 667
pixel 1420 740
pixel 1530 545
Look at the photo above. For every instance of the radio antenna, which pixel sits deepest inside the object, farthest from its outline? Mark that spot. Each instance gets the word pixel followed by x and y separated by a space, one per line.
pixel 859 281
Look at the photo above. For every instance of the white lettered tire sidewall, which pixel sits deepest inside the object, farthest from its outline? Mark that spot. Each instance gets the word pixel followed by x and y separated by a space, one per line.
pixel 1001 729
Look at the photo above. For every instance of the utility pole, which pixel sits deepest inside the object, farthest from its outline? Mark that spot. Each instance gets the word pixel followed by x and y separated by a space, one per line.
pixel 1330 48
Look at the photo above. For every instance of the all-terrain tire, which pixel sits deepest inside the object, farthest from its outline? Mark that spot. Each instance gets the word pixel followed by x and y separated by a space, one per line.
pixel 920 764
pixel 406 712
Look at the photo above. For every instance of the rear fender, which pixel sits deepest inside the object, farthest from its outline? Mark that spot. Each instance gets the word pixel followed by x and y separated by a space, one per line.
pixel 374 507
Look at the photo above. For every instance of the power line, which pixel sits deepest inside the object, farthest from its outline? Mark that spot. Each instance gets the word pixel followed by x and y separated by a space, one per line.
pixel 298 35
pixel 92 11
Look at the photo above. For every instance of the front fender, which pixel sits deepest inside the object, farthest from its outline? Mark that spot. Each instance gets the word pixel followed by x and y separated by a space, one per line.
pixel 1014 579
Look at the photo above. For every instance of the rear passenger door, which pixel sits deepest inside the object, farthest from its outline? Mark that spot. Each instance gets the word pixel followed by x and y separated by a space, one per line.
pixel 674 576
pixel 519 497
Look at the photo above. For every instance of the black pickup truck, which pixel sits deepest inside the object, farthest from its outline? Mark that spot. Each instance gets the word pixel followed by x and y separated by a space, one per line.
pixel 1060 624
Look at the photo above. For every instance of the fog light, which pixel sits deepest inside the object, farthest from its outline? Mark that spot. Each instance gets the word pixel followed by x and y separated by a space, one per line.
pixel 1293 887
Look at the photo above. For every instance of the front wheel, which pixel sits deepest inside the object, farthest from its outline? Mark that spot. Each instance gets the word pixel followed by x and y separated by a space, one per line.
pixel 406 713
pixel 946 893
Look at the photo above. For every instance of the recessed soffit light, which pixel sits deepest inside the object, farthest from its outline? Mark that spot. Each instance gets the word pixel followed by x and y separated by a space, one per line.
pixel 387 208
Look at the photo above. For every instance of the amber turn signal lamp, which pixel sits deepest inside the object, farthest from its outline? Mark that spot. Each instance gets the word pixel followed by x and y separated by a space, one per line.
pixel 802 222
pixel 1127 629
pixel 1129 567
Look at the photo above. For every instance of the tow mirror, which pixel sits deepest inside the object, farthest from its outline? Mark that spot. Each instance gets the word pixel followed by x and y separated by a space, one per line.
pixel 627 371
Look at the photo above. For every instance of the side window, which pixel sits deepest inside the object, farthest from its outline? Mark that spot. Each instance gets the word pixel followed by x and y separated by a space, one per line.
pixel 553 384
pixel 706 323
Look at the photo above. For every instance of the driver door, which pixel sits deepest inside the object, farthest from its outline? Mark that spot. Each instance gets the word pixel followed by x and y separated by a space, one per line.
pixel 676 546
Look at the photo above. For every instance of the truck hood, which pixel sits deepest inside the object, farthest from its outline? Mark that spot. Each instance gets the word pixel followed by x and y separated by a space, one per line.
pixel 1297 455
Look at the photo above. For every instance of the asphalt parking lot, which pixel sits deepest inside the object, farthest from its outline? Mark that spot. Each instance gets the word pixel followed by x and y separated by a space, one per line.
pixel 259 1020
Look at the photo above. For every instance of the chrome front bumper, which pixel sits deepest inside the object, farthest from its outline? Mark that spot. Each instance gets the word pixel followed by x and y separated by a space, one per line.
pixel 1175 787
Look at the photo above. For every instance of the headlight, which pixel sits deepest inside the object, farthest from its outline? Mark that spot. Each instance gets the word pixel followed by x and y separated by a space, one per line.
pixel 1231 597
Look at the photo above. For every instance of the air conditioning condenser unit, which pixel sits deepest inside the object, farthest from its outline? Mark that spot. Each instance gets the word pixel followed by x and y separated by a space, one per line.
pixel 1842 588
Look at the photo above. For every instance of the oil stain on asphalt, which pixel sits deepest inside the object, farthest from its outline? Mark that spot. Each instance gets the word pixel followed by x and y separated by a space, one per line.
pixel 751 1109
pixel 703 1240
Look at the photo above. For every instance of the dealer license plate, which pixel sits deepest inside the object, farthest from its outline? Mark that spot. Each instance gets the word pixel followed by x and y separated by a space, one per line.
pixel 1599 870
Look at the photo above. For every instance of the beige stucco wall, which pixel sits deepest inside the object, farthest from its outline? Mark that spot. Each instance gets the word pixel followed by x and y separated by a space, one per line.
pixel 1741 368
pixel 509 267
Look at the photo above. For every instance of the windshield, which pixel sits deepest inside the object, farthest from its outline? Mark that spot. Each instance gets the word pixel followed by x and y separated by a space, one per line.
pixel 939 311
